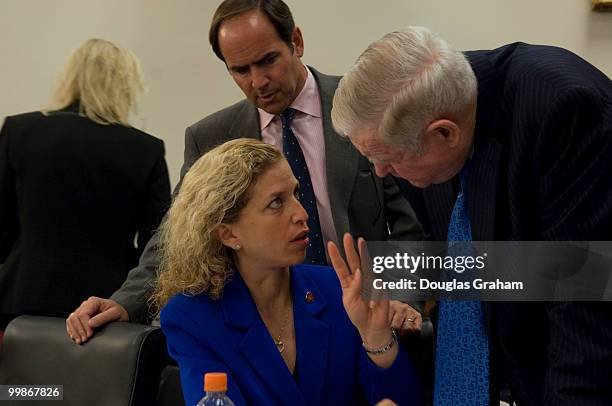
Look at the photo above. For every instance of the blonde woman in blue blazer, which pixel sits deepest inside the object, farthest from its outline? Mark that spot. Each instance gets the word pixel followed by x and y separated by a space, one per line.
pixel 232 299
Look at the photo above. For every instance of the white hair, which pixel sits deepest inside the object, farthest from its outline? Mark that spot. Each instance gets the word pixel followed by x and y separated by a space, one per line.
pixel 401 83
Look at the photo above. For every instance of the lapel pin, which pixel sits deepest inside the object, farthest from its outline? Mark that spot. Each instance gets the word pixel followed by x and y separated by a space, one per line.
pixel 310 297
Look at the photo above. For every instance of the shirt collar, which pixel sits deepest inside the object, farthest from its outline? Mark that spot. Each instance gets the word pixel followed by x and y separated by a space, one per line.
pixel 308 102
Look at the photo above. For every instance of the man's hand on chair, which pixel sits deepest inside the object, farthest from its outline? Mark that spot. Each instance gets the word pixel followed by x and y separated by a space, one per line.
pixel 91 314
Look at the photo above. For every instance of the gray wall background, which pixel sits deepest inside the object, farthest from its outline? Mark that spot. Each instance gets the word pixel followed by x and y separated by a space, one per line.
pixel 186 82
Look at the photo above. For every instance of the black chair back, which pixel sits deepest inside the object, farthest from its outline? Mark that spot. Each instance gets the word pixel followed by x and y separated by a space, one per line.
pixel 119 365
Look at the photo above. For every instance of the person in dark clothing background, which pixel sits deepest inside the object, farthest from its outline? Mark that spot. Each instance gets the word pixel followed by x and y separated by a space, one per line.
pixel 81 191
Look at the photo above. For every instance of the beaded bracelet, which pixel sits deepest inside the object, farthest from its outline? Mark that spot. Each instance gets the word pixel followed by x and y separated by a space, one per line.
pixel 381 350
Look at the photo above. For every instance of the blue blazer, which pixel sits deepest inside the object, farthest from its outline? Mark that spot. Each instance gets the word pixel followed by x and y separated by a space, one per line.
pixel 228 335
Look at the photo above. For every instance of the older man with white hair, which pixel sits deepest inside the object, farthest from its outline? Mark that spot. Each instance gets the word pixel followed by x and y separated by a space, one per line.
pixel 513 143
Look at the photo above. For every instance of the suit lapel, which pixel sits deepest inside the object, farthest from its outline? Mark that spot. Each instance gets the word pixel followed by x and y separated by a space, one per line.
pixel 312 339
pixel 263 356
pixel 483 181
pixel 482 190
pixel 257 347
pixel 246 123
pixel 488 151
pixel 312 336
pixel 484 173
pixel 441 198
pixel 482 201
pixel 481 197
pixel 341 158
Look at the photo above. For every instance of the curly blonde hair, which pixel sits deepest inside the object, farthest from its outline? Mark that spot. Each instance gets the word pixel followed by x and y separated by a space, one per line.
pixel 217 187
pixel 104 79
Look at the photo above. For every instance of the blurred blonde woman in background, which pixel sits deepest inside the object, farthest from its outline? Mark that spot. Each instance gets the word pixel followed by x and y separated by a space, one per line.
pixel 81 191
pixel 233 300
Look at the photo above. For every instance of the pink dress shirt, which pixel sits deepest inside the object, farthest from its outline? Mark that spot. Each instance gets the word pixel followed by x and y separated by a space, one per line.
pixel 308 128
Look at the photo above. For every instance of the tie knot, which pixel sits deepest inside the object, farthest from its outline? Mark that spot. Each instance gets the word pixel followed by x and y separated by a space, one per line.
pixel 287 116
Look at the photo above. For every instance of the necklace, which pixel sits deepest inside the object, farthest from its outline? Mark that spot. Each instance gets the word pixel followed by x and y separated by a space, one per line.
pixel 280 345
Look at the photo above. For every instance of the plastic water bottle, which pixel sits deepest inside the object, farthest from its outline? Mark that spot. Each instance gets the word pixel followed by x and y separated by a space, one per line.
pixel 215 386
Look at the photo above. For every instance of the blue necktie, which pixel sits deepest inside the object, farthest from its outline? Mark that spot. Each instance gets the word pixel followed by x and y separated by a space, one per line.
pixel 315 253
pixel 462 349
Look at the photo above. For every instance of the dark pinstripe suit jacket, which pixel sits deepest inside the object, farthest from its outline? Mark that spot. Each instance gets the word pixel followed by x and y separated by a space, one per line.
pixel 541 170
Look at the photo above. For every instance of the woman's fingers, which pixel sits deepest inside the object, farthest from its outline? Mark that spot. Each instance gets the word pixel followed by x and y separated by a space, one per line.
pixel 339 265
pixel 354 290
pixel 350 278
pixel 364 254
pixel 352 256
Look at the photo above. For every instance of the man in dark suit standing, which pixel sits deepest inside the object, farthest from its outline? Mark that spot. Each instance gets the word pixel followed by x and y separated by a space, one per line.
pixel 509 144
pixel 261 47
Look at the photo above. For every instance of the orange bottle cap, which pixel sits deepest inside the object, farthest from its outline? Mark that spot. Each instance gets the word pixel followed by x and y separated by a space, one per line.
pixel 215 382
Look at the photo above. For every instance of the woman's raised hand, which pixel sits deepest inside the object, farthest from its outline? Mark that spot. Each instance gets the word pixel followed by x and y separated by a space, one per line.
pixel 369 317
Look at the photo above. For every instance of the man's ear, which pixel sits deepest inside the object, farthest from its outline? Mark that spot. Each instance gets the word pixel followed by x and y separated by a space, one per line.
pixel 298 42
pixel 225 234
pixel 445 131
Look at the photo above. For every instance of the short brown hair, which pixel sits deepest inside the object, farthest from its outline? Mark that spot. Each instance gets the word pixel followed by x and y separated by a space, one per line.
pixel 276 10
